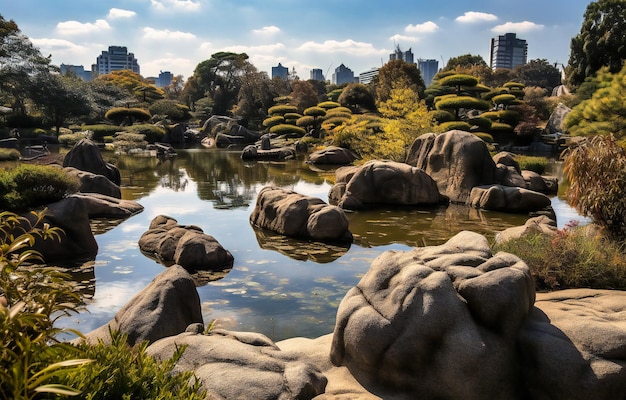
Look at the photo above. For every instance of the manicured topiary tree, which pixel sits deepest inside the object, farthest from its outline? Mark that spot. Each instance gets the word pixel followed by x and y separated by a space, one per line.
pixel 121 115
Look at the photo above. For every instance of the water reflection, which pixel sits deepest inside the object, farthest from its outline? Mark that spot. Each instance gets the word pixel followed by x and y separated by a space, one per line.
pixel 278 286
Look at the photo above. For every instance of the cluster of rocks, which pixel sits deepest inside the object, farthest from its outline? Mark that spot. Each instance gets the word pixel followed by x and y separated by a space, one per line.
pixel 451 321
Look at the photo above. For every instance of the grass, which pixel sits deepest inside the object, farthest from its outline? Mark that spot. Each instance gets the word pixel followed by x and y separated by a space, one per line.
pixel 9 155
pixel 532 163
pixel 576 257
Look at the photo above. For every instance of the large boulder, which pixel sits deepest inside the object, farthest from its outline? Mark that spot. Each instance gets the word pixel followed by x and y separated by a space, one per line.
pixel 185 245
pixel 555 122
pixel 333 155
pixel 540 183
pixel 237 135
pixel 254 152
pixel 85 155
pixel 72 215
pixel 508 199
pixel 241 365
pixel 383 182
pixel 574 345
pixel 94 183
pixel 293 214
pixel 166 307
pixel 456 160
pixel 437 322
pixel 541 224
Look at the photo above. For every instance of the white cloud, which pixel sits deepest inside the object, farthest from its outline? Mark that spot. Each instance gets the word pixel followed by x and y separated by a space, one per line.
pixel 79 28
pixel 116 13
pixel 175 5
pixel 166 34
pixel 347 46
pixel 56 45
pixel 262 49
pixel 474 16
pixel 403 38
pixel 426 27
pixel 517 27
pixel 267 30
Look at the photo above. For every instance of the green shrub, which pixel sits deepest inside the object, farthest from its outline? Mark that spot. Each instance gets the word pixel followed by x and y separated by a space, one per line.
pixel 327 105
pixel 120 114
pixel 282 109
pixel 481 122
pixel 170 108
pixel 510 117
pixel 31 357
pixel 485 137
pixel 451 125
pixel 285 129
pixel 9 154
pixel 30 186
pixel 499 127
pixel 98 132
pixel 152 133
pixel 532 163
pixel 576 257
pixel 315 111
pixel 272 121
pixel 70 139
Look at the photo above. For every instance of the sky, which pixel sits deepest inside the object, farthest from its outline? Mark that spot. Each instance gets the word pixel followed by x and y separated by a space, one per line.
pixel 176 35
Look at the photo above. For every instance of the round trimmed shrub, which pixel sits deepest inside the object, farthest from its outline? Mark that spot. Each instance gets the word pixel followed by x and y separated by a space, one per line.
pixel 152 133
pixel 441 116
pixel 272 121
pixel 457 102
pixel 500 127
pixel 285 129
pixel 119 114
pixel 481 122
pixel 315 111
pixel 307 120
pixel 452 125
pixel 487 138
pixel 282 109
pixel 327 105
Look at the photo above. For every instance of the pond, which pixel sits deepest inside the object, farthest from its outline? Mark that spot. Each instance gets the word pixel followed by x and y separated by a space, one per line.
pixel 279 287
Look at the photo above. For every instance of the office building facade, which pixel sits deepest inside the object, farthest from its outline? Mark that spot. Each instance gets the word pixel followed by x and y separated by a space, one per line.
pixel 77 70
pixel 428 69
pixel 367 76
pixel 507 51
pixel 317 74
pixel 117 58
pixel 280 71
pixel 342 75
pixel 406 56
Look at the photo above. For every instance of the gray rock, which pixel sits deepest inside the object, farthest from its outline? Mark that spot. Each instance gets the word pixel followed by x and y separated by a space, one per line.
pixel 438 322
pixel 85 156
pixel 456 160
pixel 508 199
pixel 383 182
pixel 295 215
pixel 185 245
pixel 94 183
pixel 333 155
pixel 166 307
pixel 575 345
pixel 240 365
pixel 555 122
pixel 540 183
pixel 507 159
pixel 254 152
pixel 541 224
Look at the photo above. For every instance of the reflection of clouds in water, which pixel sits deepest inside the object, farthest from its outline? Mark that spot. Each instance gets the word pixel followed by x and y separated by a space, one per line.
pixel 117 247
pixel 110 298
pixel 173 210
pixel 320 191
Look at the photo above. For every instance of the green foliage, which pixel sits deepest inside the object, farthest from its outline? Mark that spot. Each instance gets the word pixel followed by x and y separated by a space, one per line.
pixel 458 80
pixel 26 186
pixel 334 94
pixel 480 122
pixel 600 42
pixel 170 108
pixel 327 105
pixel 282 109
pixel 539 73
pixel 119 371
pixel 501 127
pixel 398 74
pixel 151 133
pixel 465 61
pixel 605 112
pixel 576 257
pixel 532 163
pixel 272 121
pixel 505 98
pixel 510 117
pixel 440 116
pixel 305 121
pixel 451 125
pixel 31 357
pixel 457 102
pixel 121 114
pixel 128 140
pixel 356 96
pixel 286 129
pixel 101 130
pixel 485 137
pixel 315 111
pixel 9 154
pixel 70 139
pixel 596 171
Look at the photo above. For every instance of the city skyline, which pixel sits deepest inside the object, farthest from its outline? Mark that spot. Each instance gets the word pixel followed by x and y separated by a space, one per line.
pixel 176 35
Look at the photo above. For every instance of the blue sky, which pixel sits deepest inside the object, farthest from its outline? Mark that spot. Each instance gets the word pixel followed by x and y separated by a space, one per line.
pixel 176 35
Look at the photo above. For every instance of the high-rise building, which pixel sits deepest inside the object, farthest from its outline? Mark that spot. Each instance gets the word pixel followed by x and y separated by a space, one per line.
pixel 116 59
pixel 280 71
pixel 317 75
pixel 507 51
pixel 398 54
pixel 78 70
pixel 342 75
pixel 367 76
pixel 164 79
pixel 428 69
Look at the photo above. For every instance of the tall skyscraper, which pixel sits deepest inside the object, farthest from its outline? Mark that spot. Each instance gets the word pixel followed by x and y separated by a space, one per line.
pixel 507 51
pixel 280 71
pixel 428 69
pixel 317 75
pixel 79 70
pixel 398 54
pixel 342 75
pixel 116 59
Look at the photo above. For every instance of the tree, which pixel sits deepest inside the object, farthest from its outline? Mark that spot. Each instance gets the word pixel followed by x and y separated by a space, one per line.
pixel 219 78
pixel 356 96
pixel 255 97
pixel 538 73
pixel 20 62
pixel 175 88
pixel 601 41
pixel 398 72
pixel 303 95
pixel 465 61
pixel 605 112
pixel 60 98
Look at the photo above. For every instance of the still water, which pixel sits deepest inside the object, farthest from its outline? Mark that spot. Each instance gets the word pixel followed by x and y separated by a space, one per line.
pixel 279 287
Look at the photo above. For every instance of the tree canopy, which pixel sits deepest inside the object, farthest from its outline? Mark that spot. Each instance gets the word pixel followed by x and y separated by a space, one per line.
pixel 398 73
pixel 601 41
pixel 465 61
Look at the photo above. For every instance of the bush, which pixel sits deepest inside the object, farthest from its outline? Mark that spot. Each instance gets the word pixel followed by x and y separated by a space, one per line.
pixel 121 114
pixel 28 186
pixel 152 133
pixel 170 108
pixel 70 139
pixel 9 154
pixel 532 163
pixel 576 257
pixel 441 116
pixel 596 171
pixel 101 130
pixel 285 129
pixel 451 125
pixel 485 137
